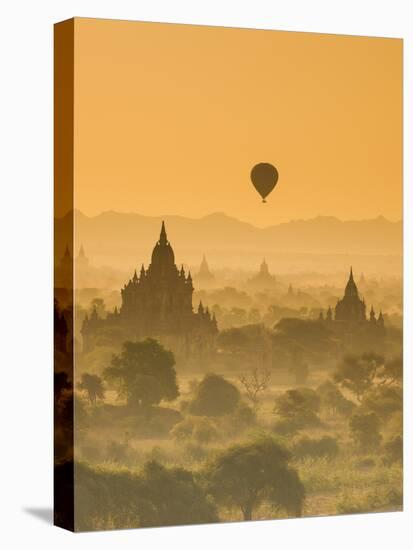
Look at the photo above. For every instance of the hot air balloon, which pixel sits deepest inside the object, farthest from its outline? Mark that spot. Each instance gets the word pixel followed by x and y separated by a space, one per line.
pixel 264 177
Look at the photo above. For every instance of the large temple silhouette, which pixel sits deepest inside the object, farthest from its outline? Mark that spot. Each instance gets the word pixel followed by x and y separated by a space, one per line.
pixel 157 303
pixel 356 330
pixel 351 308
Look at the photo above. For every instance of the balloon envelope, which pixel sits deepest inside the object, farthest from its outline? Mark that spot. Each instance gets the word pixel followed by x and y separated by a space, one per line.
pixel 264 177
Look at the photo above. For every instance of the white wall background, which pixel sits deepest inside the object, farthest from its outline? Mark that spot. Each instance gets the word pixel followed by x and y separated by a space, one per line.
pixel 26 118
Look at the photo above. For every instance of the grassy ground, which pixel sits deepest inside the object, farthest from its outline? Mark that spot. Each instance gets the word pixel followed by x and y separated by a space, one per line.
pixel 347 483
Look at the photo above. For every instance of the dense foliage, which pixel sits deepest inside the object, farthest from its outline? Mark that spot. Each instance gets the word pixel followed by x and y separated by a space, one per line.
pixel 246 475
pixel 145 373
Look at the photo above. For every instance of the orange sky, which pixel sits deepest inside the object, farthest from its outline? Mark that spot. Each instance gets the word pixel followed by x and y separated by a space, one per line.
pixel 170 119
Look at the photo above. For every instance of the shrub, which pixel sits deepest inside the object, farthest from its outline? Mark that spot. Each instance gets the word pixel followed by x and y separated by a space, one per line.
pixel 287 427
pixel 160 421
pixel 378 499
pixel 201 429
pixel 332 400
pixel 214 396
pixel 384 401
pixel 108 498
pixel 300 407
pixel 243 417
pixel 364 430
pixel 204 431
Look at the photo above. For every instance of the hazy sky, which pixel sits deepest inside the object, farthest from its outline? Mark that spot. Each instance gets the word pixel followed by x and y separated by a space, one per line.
pixel 170 119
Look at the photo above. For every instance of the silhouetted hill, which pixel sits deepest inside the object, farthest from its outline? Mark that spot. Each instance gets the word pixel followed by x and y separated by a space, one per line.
pixel 129 236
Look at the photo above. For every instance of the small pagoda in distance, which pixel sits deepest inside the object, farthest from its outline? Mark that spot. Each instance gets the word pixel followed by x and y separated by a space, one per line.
pixel 204 277
pixel 263 279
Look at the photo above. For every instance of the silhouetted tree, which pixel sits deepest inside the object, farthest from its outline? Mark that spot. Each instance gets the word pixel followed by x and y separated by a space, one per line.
pixel 304 334
pixel 391 372
pixel 358 373
pixel 214 396
pixel 299 406
pixel 383 401
pixel 255 384
pixel 145 373
pixel 333 401
pixel 248 475
pixel 92 384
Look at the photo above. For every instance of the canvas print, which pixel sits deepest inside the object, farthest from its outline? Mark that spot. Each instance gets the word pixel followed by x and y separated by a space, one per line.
pixel 228 274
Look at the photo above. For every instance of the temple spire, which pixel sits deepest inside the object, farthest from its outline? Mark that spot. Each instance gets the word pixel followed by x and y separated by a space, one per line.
pixel 163 238
pixel 351 287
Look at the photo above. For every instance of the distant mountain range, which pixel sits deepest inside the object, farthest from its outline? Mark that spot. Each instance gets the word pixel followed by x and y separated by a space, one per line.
pixel 130 235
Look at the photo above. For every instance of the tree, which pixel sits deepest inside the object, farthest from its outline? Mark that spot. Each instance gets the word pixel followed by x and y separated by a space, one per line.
pixel 255 384
pixel 333 401
pixel 92 384
pixel 214 396
pixel 145 373
pixel 383 401
pixel 358 373
pixel 391 372
pixel 306 334
pixel 248 475
pixel 364 430
pixel 299 406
